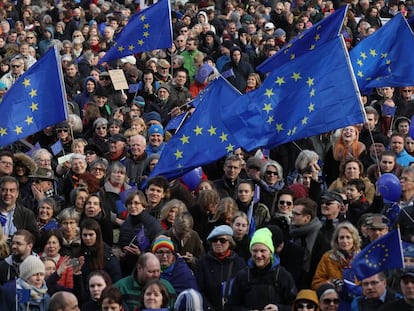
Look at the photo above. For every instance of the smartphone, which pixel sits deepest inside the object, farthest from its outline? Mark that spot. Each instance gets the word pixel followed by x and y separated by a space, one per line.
pixel 74 262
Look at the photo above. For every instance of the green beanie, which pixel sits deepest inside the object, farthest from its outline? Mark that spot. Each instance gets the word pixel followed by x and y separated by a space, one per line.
pixel 263 236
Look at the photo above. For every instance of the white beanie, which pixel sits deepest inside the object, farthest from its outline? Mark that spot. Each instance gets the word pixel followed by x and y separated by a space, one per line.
pixel 31 265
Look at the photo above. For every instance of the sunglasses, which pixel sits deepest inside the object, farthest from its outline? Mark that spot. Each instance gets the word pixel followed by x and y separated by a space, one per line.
pixel 288 203
pixel 90 152
pixel 15 66
pixel 309 305
pixel 328 301
pixel 101 128
pixel 62 130
pixel 271 173
pixel 221 240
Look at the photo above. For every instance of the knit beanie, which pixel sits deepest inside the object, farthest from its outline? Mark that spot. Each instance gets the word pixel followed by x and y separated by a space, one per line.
pixel 31 265
pixel 189 300
pixel 307 294
pixel 162 241
pixel 263 236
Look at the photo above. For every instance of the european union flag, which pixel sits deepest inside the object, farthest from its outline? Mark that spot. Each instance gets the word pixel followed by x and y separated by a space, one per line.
pixel 148 30
pixel 203 138
pixel 314 94
pixel 35 101
pixel 382 254
pixel 23 295
pixel 320 33
pixel 384 58
pixel 142 240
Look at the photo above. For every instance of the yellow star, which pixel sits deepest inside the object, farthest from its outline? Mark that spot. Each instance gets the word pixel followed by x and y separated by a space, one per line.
pixel 372 52
pixel 198 130
pixel 140 42
pixel 230 148
pixel 289 133
pixel 18 130
pixel 296 76
pixel 29 120
pixel 384 55
pixel 223 137
pixel 388 61
pixel 317 37
pixel 286 51
pixel 33 106
pixel 146 34
pixel 319 27
pixel 26 82
pixel 305 120
pixel 142 18
pixel 280 80
pixel 269 93
pixel 146 26
pixel 212 130
pixel 131 47
pixel 267 108
pixel 363 55
pixel 312 93
pixel 121 48
pixel 3 131
pixel 360 63
pixel 279 127
pixel 294 130
pixel 311 107
pixel 360 74
pixel 270 120
pixel 185 139
pixel 178 154
pixel 312 47
pixel 292 56
pixel 33 93
pixel 310 81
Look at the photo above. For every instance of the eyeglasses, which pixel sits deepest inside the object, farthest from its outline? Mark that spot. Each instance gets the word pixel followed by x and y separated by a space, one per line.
pixel 309 305
pixel 99 169
pixel 271 173
pixel 328 301
pixel 162 253
pixel 104 78
pixel 62 130
pixel 29 37
pixel 15 66
pixel 101 128
pixel 407 91
pixel 405 179
pixel 221 240
pixel 288 203
pixel 6 163
pixel 372 283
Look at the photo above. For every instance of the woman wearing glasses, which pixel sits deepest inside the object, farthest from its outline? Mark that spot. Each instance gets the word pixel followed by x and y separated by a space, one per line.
pixel 328 297
pixel 215 270
pixel 271 181
pixel 306 300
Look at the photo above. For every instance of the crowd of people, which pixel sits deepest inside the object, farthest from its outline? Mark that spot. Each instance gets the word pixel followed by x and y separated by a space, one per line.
pixel 272 230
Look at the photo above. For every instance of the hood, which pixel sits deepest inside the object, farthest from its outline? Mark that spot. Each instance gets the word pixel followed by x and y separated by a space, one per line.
pixel 89 78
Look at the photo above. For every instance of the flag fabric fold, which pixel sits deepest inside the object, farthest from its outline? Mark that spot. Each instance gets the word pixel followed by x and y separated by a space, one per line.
pixel 35 101
pixel 320 33
pixel 382 254
pixel 384 58
pixel 148 30
pixel 314 94
pixel 203 138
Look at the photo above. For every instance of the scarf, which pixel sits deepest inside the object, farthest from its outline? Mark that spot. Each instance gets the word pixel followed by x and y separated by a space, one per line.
pixel 224 256
pixel 36 294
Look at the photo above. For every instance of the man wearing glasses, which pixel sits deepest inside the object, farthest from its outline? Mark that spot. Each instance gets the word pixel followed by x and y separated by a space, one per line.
pixel 16 70
pixel 6 163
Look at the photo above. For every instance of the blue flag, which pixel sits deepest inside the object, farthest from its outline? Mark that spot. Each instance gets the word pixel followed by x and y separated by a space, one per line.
pixel 148 30
pixel 382 254
pixel 320 33
pixel 23 295
pixel 142 240
pixel 57 147
pixel 124 194
pixel 203 138
pixel 385 57
pixel 35 101
pixel 298 100
pixel 51 225
pixel 176 122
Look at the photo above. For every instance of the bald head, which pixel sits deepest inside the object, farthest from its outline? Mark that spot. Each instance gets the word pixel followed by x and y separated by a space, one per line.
pixel 148 268
pixel 63 301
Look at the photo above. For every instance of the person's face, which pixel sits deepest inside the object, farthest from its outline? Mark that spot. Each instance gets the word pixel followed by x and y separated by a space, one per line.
pixel 163 94
pixel 96 286
pixel 172 214
pixel 6 165
pixel 376 233
pixel 71 71
pixel 261 255
pixel 285 204
pixel 180 79
pixel 306 179
pixel 232 170
pixel 107 305
pixel 116 146
pixel 271 175
pixel 135 112
pixel 9 193
pixel 240 227
pixel 407 288
pixel 19 247
pixel 236 56
pixel 50 267
pixel 387 92
pixel 181 42
pixel 114 129
pixel 405 92
pixel 408 262
pixel 397 144
pixel 117 177
pixel 373 287
pixel 150 271
pixel 154 194
pixel 298 218
pixel 37 280
pixel 156 139
pixel 52 247
pixel 251 82
pixel 88 237
pixel 409 144
pixel 376 148
pixel 403 127
pixel 387 163
pixel 349 134
pixel 45 212
pixel 24 49
pixel 92 206
pixel 407 182
pixel 220 244
pixel 352 193
pixel 69 227
pixel 152 164
pixel 371 122
pixel 245 193
pixel 135 206
pixel 78 166
pixel 90 86
pixel 153 297
pixel 204 186
pixel 62 133
pixel 191 46
pixel 165 256
pixel 17 67
pixel 330 209
pixel 329 302
pixel 352 170
pixel 345 240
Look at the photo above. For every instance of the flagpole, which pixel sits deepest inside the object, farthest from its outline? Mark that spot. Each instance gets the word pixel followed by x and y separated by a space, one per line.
pixel 62 84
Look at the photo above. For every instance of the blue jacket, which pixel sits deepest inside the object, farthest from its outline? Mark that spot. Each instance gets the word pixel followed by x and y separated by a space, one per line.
pixel 180 276
pixel 404 159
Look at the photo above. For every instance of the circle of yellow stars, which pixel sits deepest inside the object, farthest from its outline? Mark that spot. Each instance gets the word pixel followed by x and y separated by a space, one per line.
pixel 141 41
pixel 374 59
pixel 383 259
